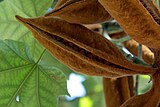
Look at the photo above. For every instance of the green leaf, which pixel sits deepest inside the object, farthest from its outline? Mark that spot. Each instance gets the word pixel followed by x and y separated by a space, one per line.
pixel 144 84
pixel 10 28
pixel 35 84
pixel 94 88
pixel 49 60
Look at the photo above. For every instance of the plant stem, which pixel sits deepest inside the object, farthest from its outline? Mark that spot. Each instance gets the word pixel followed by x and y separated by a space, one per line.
pixel 123 39
pixel 137 76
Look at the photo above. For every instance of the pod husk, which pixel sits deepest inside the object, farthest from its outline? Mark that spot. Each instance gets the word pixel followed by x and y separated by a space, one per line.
pixel 45 29
pixel 81 12
pixel 137 20
pixel 147 54
pixel 60 3
pixel 149 99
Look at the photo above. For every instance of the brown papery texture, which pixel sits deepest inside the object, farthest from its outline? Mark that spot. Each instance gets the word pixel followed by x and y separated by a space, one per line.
pixel 116 91
pixel 110 60
pixel 117 35
pixel 137 20
pixel 81 12
pixel 95 27
pixel 60 3
pixel 147 55
pixel 149 99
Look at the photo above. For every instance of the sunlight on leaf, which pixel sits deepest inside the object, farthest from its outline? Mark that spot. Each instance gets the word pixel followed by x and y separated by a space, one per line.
pixel 85 102
pixel 12 29
pixel 24 82
pixel 144 84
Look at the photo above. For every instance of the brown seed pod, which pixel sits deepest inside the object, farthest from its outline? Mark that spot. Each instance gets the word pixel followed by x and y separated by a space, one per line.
pixel 81 12
pixel 117 35
pixel 60 3
pixel 116 91
pixel 149 99
pixel 81 49
pixel 132 46
pixel 139 19
pixel 94 27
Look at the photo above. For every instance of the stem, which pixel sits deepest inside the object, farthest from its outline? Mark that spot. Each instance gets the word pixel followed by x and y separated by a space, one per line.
pixel 123 39
pixel 136 85
pixel 137 76
pixel 140 51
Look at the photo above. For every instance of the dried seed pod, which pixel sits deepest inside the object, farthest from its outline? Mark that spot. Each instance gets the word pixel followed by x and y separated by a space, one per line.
pixel 117 35
pixel 156 62
pixel 104 60
pixel 95 27
pixel 60 3
pixel 81 12
pixel 139 18
pixel 149 99
pixel 116 91
pixel 132 46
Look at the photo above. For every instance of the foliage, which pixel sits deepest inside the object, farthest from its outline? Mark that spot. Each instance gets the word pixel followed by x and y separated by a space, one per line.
pixel 25 70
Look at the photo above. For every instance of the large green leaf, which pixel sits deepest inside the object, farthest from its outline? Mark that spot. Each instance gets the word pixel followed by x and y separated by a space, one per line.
pixel 49 60
pixel 10 28
pixel 35 85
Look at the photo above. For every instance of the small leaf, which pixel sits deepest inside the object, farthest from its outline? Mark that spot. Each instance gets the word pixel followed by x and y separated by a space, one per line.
pixel 20 77
pixel 81 11
pixel 82 49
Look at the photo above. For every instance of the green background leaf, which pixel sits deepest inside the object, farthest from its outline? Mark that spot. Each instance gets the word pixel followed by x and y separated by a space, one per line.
pixel 10 28
pixel 36 85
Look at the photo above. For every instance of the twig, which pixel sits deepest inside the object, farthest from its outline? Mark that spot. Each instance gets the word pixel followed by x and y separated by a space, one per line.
pixel 137 76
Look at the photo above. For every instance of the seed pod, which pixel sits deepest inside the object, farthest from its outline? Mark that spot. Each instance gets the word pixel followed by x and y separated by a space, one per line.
pixel 95 27
pixel 139 18
pixel 100 56
pixel 60 3
pixel 132 46
pixel 81 12
pixel 117 35
pixel 149 99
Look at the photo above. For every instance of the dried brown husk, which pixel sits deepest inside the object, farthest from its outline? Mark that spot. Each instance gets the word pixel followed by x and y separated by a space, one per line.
pixel 116 91
pixel 117 35
pixel 60 3
pixel 137 20
pixel 81 12
pixel 95 27
pixel 46 29
pixel 147 55
pixel 149 99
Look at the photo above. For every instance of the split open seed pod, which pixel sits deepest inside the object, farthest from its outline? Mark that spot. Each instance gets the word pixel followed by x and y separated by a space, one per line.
pixel 139 18
pixel 83 50
pixel 81 12
pixel 149 99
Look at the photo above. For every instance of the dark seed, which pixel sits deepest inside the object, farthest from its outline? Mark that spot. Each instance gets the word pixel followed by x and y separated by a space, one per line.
pixel 82 52
pixel 90 56
pixel 75 48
